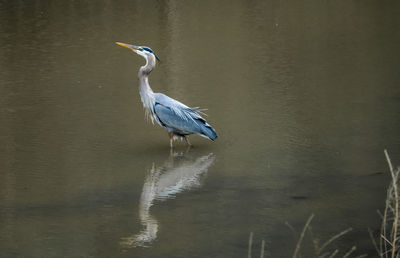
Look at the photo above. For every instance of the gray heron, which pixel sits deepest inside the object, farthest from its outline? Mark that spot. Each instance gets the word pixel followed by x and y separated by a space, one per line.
pixel 179 119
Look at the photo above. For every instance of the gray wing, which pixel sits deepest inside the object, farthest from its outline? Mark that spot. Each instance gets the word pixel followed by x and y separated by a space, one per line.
pixel 179 118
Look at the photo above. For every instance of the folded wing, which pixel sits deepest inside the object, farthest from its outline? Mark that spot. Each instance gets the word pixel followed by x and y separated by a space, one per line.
pixel 181 119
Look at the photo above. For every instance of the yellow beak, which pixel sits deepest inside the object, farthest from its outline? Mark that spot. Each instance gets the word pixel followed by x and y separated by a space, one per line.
pixel 131 47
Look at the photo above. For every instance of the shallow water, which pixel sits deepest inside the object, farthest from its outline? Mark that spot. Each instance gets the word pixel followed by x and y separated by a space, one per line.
pixel 304 97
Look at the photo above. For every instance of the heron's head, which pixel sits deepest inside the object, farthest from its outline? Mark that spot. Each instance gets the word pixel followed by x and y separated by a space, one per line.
pixel 144 51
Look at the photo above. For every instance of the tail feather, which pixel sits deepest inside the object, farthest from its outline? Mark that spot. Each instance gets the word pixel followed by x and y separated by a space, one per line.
pixel 208 131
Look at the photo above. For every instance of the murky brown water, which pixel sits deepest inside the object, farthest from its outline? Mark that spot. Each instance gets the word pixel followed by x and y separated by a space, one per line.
pixel 304 96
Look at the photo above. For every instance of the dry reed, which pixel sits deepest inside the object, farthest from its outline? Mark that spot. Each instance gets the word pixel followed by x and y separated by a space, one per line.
pixel 251 244
pixel 319 251
pixel 389 240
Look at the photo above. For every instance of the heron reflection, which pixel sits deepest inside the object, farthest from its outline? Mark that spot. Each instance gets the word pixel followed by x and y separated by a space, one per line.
pixel 179 173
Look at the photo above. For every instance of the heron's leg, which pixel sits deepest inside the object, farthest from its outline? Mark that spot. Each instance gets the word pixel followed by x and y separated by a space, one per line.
pixel 171 139
pixel 171 157
pixel 187 142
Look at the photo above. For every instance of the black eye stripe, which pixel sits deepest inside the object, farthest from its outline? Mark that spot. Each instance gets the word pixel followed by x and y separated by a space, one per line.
pixel 148 49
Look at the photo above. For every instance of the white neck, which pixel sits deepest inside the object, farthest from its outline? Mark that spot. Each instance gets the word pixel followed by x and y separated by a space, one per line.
pixel 146 93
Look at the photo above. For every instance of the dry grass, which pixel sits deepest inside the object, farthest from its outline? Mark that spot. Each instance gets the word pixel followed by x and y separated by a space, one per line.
pixel 251 244
pixel 321 251
pixel 388 244
pixel 389 239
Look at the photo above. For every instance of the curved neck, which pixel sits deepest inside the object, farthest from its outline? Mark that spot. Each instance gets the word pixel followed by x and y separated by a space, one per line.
pixel 144 71
pixel 148 67
pixel 146 93
pixel 144 88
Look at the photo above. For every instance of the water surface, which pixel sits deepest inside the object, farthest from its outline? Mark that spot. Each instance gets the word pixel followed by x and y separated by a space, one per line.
pixel 304 96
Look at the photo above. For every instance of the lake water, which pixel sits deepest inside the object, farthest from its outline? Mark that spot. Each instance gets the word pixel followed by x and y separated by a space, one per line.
pixel 305 97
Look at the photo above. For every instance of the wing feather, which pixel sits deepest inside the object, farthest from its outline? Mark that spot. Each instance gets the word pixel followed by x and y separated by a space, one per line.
pixel 178 108
pixel 177 115
pixel 180 118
